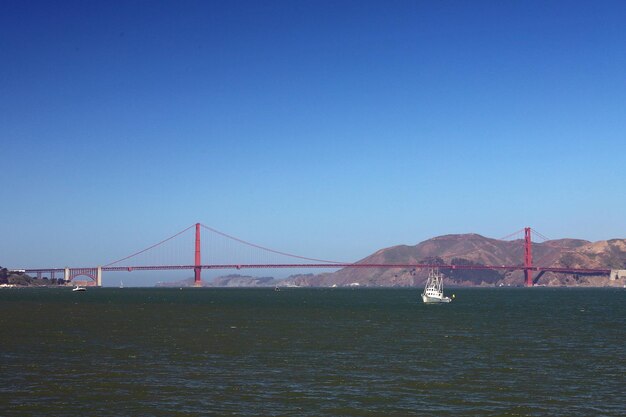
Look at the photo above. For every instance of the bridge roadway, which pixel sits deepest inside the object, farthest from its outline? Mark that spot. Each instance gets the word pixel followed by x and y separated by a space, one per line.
pixel 330 266
pixel 356 265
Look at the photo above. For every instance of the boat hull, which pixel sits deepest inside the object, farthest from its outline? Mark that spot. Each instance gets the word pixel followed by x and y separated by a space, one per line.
pixel 434 300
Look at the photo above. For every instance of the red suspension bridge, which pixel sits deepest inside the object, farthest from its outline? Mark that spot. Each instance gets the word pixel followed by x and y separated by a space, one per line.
pixel 95 273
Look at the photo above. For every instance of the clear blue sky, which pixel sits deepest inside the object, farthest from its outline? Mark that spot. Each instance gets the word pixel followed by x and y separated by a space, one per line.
pixel 328 129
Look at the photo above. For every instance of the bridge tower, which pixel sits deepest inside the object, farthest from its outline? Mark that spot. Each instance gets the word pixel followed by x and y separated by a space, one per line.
pixel 197 270
pixel 528 258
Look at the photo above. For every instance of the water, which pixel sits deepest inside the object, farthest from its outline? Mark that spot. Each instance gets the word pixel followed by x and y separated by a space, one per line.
pixel 170 352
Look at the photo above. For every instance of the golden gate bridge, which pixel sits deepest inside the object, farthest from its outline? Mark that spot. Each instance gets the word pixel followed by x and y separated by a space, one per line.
pixel 95 273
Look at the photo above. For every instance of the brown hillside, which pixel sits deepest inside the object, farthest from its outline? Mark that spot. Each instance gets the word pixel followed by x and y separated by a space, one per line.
pixel 477 249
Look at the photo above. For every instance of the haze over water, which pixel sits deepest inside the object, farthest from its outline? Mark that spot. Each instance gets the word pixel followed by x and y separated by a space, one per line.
pixel 106 352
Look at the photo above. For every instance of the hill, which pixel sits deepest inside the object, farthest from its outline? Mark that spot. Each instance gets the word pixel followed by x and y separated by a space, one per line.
pixel 13 278
pixel 468 249
pixel 233 280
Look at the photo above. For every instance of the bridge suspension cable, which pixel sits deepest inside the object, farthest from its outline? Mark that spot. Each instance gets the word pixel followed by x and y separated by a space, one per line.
pixel 268 249
pixel 540 235
pixel 148 248
pixel 517 233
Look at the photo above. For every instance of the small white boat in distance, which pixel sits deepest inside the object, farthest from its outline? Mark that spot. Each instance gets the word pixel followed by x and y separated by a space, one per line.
pixel 79 288
pixel 433 291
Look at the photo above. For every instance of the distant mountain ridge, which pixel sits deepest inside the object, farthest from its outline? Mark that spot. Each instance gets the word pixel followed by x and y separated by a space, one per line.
pixel 464 249
pixel 232 280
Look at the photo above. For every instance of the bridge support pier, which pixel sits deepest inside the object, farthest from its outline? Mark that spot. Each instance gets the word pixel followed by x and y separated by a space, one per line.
pixel 66 275
pixel 99 277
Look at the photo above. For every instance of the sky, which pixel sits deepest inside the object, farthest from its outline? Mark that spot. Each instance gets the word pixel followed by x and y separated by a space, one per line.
pixel 328 129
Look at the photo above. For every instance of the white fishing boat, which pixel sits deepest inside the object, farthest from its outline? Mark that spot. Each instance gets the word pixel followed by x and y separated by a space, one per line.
pixel 433 291
pixel 79 288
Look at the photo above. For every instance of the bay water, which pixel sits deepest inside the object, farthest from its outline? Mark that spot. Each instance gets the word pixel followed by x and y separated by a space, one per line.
pixel 312 352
